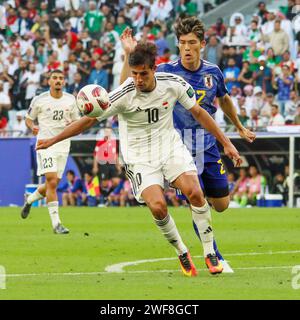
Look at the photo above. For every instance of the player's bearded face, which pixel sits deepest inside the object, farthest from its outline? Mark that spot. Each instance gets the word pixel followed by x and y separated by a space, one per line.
pixel 57 81
pixel 143 77
pixel 190 48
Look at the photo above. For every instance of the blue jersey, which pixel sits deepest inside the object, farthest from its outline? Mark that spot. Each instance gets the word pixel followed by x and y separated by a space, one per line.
pixel 208 83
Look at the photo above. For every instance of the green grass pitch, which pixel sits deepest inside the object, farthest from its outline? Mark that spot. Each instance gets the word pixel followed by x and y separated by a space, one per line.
pixel 261 245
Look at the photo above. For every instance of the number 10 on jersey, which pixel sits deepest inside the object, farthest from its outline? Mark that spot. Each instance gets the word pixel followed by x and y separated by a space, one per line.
pixel 153 115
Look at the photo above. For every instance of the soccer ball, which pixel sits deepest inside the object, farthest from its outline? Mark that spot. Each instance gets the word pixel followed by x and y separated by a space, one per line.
pixel 92 100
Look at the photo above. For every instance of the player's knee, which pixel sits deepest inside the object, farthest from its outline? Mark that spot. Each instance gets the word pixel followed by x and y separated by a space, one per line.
pixel 158 209
pixel 51 183
pixel 220 206
pixel 195 196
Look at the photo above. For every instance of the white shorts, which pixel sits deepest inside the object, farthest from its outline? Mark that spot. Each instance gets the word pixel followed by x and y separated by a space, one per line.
pixel 51 161
pixel 144 175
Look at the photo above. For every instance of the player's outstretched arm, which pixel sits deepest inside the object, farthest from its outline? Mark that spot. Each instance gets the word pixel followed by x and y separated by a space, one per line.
pixel 73 129
pixel 228 108
pixel 207 122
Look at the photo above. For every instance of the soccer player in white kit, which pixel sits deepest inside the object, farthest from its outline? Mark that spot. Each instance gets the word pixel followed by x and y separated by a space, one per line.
pixel 53 110
pixel 153 150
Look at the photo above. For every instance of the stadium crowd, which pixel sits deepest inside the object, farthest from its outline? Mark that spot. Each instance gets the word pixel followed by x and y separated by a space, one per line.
pixel 260 60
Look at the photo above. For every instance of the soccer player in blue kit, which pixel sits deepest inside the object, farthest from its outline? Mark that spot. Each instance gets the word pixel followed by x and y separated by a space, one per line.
pixel 208 82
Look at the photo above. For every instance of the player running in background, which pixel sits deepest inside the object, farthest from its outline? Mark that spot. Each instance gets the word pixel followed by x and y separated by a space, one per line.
pixel 208 83
pixel 153 150
pixel 53 110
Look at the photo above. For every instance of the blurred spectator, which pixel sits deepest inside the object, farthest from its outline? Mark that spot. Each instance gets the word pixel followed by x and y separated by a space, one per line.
pixel 291 106
pixel 258 98
pixel 284 84
pixel 224 57
pixel 262 11
pixel 19 127
pixel 231 74
pixel 213 50
pixel 5 102
pixel 297 117
pixel 237 33
pixel 256 185
pixel 255 122
pixel 19 87
pixel 164 58
pixel 287 61
pixel 243 116
pixel 72 190
pixel 231 183
pixel 3 119
pixel 31 80
pixel 276 118
pixel 43 85
pixel 94 20
pixel 272 60
pixel 77 85
pixel 161 10
pixel 268 27
pixel 219 28
pixel 99 76
pixel 92 195
pixel 279 187
pixel 278 39
pixel 265 111
pixel 126 195
pixel 105 162
pixel 241 188
pixel 249 98
pixel 263 77
pixel 254 32
pixel 246 75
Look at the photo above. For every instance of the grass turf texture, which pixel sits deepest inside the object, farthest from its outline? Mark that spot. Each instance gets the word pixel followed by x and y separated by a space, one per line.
pixel 105 236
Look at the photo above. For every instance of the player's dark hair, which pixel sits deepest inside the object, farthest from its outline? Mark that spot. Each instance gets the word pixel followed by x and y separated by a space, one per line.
pixel 55 71
pixel 71 172
pixel 187 25
pixel 143 54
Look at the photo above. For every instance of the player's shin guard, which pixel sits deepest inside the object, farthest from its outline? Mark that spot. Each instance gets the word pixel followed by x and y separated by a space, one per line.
pixel 202 219
pixel 168 228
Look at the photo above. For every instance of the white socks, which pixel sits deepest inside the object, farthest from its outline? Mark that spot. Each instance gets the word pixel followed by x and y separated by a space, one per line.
pixel 202 219
pixel 53 212
pixel 168 228
pixel 34 196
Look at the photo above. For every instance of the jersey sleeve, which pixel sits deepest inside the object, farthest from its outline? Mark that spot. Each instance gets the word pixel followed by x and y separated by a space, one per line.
pixel 221 87
pixel 161 68
pixel 33 110
pixel 118 100
pixel 187 97
pixel 75 115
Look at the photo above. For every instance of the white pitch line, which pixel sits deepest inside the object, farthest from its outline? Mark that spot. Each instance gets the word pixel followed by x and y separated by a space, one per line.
pixel 110 269
pixel 20 275
pixel 118 268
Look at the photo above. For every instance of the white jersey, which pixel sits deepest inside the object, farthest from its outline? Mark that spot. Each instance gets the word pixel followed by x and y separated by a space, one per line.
pixel 53 115
pixel 146 129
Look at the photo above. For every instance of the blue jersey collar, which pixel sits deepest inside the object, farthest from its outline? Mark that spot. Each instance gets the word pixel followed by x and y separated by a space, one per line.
pixel 201 64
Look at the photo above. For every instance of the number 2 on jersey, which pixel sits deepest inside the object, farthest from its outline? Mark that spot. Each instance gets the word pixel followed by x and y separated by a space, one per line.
pixel 222 170
pixel 201 94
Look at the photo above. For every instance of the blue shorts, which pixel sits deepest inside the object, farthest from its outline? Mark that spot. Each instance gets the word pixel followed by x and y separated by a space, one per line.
pixel 213 179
